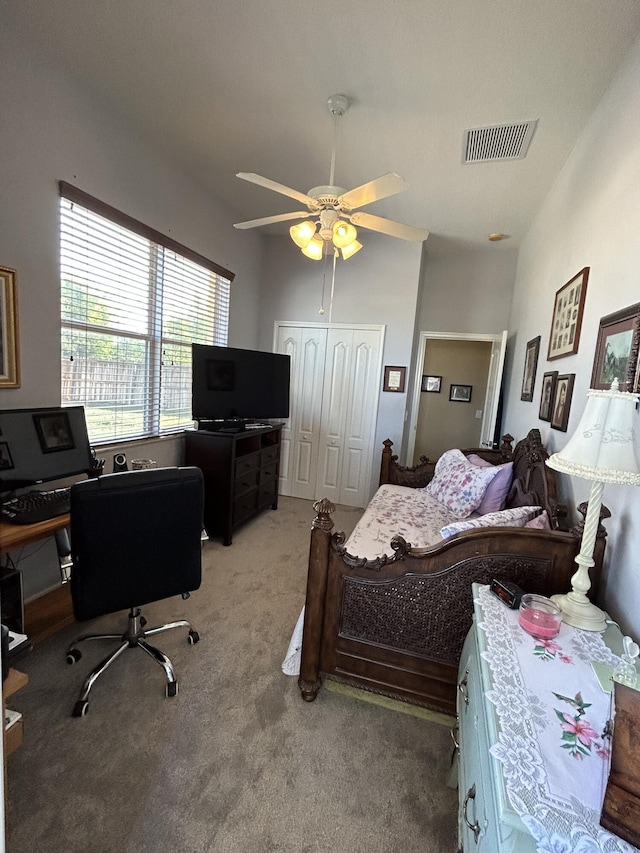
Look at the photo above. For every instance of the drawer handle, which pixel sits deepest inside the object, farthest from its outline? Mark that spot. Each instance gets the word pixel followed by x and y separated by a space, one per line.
pixel 462 687
pixel 474 827
pixel 453 731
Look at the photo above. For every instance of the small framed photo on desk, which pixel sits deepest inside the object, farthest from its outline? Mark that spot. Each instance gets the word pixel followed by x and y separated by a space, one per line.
pixel 54 432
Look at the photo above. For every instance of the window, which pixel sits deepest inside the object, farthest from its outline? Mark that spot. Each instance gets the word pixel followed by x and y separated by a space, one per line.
pixel 132 302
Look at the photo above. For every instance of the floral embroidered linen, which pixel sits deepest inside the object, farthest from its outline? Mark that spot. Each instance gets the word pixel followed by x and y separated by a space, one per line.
pixel 459 484
pixel 398 511
pixel 552 713
pixel 516 517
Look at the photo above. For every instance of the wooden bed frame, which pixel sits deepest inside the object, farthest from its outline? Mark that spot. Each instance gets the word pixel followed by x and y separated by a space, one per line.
pixel 395 625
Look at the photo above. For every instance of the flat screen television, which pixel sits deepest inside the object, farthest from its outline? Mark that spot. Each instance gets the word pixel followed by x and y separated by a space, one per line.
pixel 37 445
pixel 238 384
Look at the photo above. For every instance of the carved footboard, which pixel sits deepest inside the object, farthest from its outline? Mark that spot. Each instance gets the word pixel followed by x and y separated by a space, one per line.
pixel 396 625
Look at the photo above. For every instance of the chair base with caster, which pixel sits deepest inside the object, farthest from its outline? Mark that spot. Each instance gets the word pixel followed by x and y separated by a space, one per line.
pixel 135 538
pixel 134 637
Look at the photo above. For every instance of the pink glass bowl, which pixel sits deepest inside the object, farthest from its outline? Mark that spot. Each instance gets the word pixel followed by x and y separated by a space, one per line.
pixel 539 616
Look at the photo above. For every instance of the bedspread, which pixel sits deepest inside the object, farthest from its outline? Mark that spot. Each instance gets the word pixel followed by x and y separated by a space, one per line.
pixel 398 511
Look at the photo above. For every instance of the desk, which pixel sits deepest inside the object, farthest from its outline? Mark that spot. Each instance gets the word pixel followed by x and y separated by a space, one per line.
pixel 16 535
pixel 12 738
pixel 52 611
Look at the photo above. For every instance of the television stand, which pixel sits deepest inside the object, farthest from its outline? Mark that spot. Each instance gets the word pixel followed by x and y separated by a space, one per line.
pixel 240 472
pixel 231 425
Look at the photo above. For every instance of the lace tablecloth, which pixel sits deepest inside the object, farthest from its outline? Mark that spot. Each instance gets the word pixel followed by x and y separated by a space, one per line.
pixel 552 713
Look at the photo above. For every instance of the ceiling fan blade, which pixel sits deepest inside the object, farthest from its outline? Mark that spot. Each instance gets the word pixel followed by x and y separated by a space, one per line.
pixel 278 188
pixel 387 226
pixel 387 185
pixel 268 220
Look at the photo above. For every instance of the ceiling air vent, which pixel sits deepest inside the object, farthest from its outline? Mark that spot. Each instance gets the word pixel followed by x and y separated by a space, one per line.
pixel 498 142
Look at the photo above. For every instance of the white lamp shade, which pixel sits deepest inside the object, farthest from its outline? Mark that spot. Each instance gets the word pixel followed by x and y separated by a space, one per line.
pixel 606 445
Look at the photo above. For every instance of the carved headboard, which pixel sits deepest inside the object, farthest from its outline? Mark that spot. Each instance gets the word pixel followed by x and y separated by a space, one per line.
pixel 533 483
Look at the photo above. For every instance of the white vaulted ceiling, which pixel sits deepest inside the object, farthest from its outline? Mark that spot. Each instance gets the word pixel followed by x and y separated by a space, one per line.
pixel 241 85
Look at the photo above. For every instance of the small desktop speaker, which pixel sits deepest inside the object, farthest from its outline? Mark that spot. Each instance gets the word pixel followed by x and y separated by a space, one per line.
pixel 119 462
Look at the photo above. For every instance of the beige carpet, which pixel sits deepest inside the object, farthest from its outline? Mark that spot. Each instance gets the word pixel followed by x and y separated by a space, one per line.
pixel 237 761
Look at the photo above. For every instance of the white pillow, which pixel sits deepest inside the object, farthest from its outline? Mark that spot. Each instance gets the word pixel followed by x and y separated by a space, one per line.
pixel 516 517
pixel 459 484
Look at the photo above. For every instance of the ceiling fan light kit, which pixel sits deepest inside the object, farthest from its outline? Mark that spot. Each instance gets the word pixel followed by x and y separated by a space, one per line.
pixel 334 234
pixel 314 248
pixel 302 233
pixel 343 234
pixel 350 250
pixel 334 231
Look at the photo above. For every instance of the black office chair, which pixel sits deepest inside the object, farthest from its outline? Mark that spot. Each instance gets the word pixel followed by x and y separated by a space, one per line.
pixel 135 538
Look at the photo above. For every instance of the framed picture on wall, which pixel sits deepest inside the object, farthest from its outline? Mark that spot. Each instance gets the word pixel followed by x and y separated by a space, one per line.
pixel 9 364
pixel 566 321
pixel 547 395
pixel 617 350
pixel 394 378
pixel 530 366
pixel 431 383
pixel 460 393
pixel 562 401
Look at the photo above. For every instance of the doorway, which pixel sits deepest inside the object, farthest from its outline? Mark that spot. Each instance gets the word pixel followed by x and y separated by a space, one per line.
pixel 456 392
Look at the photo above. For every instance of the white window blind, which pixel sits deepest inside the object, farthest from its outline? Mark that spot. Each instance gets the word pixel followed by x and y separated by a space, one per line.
pixel 132 303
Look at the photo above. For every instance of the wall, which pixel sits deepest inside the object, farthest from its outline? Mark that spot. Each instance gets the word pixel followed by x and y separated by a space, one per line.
pixel 55 127
pixel 443 423
pixel 466 288
pixel 590 218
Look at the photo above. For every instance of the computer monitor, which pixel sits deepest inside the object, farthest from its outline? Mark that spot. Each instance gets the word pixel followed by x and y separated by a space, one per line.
pixel 38 445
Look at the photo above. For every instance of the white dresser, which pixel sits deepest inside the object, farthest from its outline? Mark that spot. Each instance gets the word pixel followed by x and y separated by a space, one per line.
pixel 533 763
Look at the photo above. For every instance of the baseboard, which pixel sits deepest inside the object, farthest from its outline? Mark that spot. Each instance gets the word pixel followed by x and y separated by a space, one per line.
pixel 392 704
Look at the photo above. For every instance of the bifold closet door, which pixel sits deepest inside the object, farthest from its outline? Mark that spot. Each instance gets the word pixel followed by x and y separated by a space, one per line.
pixel 327 443
pixel 349 407
pixel 301 432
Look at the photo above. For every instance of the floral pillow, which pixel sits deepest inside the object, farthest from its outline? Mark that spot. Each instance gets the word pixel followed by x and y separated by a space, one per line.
pixel 498 489
pixel 459 484
pixel 516 517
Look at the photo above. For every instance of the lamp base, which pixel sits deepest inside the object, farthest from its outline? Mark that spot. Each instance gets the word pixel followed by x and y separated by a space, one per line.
pixel 581 613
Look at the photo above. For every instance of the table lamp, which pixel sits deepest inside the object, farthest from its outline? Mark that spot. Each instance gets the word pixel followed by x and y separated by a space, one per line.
pixel 604 449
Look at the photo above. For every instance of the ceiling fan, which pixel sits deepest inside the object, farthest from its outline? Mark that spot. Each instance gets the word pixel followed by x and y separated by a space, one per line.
pixel 334 209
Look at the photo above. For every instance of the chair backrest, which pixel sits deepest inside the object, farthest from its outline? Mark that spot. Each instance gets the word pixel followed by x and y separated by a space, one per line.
pixel 135 538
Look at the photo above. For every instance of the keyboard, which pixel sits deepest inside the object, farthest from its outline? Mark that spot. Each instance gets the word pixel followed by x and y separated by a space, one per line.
pixel 35 506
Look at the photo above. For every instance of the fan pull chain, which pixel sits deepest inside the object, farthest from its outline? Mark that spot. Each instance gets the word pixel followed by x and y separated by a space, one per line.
pixel 333 284
pixel 324 277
